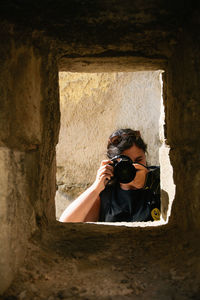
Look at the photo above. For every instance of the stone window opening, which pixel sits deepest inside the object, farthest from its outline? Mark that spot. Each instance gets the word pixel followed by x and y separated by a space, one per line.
pixel 92 106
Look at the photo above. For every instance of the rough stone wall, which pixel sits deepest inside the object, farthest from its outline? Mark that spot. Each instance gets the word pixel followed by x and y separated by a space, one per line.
pixel 105 36
pixel 182 95
pixel 92 106
pixel 29 122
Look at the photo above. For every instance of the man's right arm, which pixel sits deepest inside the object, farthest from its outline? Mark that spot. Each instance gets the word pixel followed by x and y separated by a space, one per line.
pixel 86 207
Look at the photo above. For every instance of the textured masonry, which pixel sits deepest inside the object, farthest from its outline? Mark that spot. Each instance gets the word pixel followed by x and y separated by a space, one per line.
pixel 39 39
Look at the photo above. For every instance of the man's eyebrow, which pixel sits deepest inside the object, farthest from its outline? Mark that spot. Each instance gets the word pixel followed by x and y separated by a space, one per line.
pixel 139 157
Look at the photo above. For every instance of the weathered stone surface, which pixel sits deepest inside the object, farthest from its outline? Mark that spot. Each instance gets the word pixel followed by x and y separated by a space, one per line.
pixel 90 261
pixel 182 127
pixel 37 36
pixel 27 149
pixel 101 27
pixel 21 95
pixel 17 215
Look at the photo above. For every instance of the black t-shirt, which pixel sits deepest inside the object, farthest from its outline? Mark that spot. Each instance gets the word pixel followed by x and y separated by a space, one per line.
pixel 118 205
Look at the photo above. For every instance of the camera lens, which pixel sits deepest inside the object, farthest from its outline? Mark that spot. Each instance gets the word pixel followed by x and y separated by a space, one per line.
pixel 124 171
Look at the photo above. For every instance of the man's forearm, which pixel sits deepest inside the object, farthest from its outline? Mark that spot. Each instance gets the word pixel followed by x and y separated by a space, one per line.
pixel 79 208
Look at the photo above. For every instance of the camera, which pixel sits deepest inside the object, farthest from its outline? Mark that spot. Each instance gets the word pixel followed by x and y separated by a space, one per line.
pixel 124 171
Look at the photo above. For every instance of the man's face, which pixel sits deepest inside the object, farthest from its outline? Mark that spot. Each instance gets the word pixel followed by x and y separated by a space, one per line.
pixel 138 156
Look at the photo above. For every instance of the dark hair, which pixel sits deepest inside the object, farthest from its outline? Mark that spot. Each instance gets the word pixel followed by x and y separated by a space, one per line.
pixel 123 139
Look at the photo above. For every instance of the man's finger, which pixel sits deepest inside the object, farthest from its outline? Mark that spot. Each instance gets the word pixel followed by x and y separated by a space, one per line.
pixel 106 162
pixel 140 167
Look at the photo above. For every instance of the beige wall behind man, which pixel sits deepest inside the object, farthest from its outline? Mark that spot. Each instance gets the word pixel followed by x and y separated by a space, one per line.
pixel 92 106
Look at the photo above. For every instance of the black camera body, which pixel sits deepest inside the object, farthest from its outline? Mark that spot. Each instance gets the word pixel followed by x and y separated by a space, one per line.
pixel 124 170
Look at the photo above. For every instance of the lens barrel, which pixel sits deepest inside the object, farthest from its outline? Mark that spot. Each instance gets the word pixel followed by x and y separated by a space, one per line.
pixel 124 171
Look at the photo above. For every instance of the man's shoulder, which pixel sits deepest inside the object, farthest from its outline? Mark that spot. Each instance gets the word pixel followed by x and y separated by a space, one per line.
pixel 153 180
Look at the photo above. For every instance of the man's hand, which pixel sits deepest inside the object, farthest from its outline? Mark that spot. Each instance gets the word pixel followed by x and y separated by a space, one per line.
pixel 140 177
pixel 104 174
